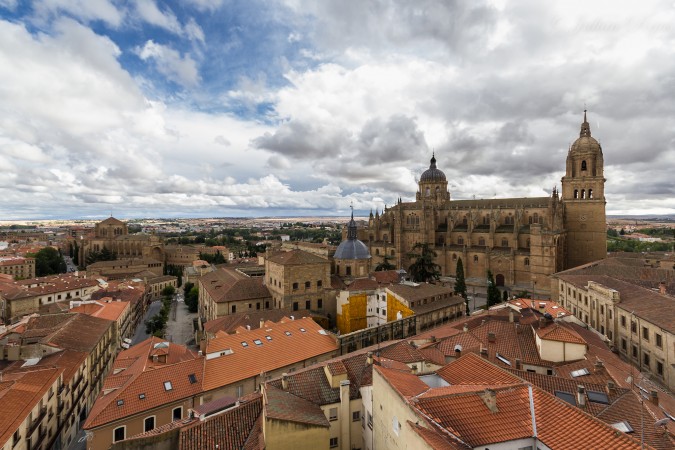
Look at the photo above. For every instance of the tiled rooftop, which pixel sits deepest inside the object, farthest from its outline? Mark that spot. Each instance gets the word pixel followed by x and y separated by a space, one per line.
pixel 283 405
pixel 226 284
pixel 296 257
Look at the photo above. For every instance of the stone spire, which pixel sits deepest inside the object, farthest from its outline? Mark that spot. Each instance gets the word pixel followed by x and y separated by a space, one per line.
pixel 585 127
pixel 351 227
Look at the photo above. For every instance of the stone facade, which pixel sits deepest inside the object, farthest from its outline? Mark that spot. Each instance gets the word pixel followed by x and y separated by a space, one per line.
pixel 521 240
pixel 18 267
pixel 297 280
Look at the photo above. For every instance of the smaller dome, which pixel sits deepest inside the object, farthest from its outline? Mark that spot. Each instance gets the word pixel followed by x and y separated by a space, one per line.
pixel 352 249
pixel 432 174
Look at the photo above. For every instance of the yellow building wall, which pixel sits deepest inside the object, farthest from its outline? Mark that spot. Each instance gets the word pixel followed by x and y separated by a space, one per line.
pixel 394 305
pixel 286 435
pixel 353 314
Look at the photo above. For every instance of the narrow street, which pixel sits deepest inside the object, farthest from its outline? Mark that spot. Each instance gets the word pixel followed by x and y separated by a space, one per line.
pixel 140 335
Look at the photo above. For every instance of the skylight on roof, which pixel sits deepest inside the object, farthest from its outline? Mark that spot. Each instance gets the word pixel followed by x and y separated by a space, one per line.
pixel 579 373
pixel 167 386
pixel 569 398
pixel 161 345
pixel 244 344
pixel 623 426
pixel 269 338
pixel 501 358
pixel 257 341
pixel 323 332
pixel 287 333
pixel 141 396
pixel 303 330
pixel 120 402
pixel 598 397
pixel 192 378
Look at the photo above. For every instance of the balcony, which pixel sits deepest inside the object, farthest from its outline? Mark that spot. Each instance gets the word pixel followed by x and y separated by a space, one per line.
pixel 37 420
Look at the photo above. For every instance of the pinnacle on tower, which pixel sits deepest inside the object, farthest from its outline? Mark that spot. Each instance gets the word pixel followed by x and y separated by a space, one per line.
pixel 585 127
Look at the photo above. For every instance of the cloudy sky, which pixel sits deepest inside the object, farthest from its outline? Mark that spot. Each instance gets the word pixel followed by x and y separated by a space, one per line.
pixel 148 108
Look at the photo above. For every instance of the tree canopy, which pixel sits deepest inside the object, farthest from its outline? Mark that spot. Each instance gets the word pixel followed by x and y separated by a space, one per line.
pixel 424 268
pixel 493 296
pixel 48 261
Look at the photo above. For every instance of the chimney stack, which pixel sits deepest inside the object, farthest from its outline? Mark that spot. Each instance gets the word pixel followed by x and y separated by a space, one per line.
pixel 433 338
pixel 611 387
pixel 458 350
pixel 599 366
pixel 284 381
pixel 369 358
pixel 489 396
pixel 519 364
pixel 662 288
pixel 262 323
pixel 581 396
pixel 654 397
pixel 466 328
pixel 491 337
pixel 542 322
pixel 510 315
pixel 483 352
pixel 518 329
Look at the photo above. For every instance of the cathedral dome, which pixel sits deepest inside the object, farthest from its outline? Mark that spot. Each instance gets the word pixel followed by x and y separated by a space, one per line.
pixel 352 248
pixel 585 143
pixel 432 174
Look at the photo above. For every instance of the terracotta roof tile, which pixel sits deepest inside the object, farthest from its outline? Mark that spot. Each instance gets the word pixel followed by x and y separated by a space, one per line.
pixel 287 344
pixel 405 383
pixel 436 439
pixel 472 369
pixel 296 257
pixel 231 430
pixel 282 405
pixel 231 322
pixel 554 332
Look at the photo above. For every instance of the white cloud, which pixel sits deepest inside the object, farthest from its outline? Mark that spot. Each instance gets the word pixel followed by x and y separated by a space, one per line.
pixel 85 10
pixel 150 13
pixel 170 63
pixel 193 31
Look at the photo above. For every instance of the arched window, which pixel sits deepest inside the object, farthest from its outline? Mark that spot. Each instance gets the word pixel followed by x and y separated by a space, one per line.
pixel 438 190
pixel 527 243
pixel 590 193
pixel 505 242
pixel 583 165
pixel 460 240
pixel 527 261
pixel 481 241
pixel 583 193
pixel 454 257
pixel 385 238
pixel 377 251
pixel 576 193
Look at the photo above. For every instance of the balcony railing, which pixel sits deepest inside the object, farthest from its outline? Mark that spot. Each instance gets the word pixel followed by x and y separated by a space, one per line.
pixel 37 420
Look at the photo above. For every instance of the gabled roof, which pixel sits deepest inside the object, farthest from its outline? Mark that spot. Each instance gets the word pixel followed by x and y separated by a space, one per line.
pixel 472 369
pixel 266 349
pixel 135 372
pixel 282 405
pixel 231 322
pixel 405 383
pixel 554 332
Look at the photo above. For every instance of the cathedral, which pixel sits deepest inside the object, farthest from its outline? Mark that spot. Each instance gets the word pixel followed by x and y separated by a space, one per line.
pixel 521 240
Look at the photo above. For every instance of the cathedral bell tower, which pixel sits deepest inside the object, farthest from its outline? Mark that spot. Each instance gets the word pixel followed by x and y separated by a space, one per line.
pixel 583 192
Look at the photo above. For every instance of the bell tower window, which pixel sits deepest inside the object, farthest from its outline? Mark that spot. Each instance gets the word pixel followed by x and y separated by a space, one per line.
pixel 583 193
pixel 590 193
pixel 576 193
pixel 583 165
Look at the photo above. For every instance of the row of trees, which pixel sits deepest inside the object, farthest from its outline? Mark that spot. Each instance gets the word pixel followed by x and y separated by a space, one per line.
pixel 48 261
pixel 156 325
pixel 191 296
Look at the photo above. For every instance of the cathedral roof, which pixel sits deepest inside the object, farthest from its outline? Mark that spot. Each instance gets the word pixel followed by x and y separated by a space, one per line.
pixel 433 174
pixel 585 143
pixel 352 248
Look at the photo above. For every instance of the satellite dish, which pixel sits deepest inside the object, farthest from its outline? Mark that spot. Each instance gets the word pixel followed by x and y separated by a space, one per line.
pixel 663 422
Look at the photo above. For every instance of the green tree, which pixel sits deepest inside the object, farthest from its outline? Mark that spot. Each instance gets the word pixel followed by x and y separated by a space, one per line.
pixel 385 264
pixel 424 268
pixel 460 284
pixel 192 299
pixel 48 261
pixel 168 291
pixel 493 296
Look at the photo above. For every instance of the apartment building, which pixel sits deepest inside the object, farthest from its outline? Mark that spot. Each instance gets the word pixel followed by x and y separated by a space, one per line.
pixel 229 291
pixel 18 267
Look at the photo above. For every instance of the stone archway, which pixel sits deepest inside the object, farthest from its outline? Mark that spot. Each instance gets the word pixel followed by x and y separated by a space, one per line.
pixel 499 280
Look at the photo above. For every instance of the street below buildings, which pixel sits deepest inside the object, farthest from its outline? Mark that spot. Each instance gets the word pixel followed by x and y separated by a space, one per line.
pixel 140 335
pixel 179 328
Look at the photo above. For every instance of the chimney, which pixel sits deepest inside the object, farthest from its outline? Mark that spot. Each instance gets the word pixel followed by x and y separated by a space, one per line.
pixel 581 396
pixel 542 322
pixel 248 327
pixel 483 352
pixel 518 329
pixel 458 350
pixel 491 337
pixel 466 328
pixel 489 397
pixel 262 323
pixel 433 338
pixel 414 368
pixel 510 315
pixel 654 397
pixel 611 387
pixel 519 364
pixel 482 322
pixel 369 358
pixel 284 381
pixel 292 317
pixel 599 366
pixel 662 288
pixel 542 306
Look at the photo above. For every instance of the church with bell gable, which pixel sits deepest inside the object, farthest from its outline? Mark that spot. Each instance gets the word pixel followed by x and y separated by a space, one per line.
pixel 521 240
